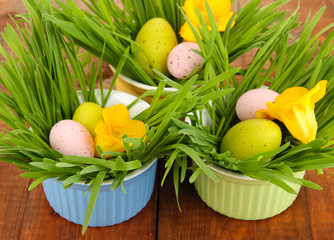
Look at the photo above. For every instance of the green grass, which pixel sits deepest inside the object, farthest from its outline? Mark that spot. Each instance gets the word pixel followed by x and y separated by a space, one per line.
pixel 43 76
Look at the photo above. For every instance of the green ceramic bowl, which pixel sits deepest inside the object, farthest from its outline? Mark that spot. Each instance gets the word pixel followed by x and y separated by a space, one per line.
pixel 241 197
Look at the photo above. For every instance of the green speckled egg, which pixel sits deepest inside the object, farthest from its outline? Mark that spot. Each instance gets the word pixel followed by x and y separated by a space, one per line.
pixel 251 137
pixel 157 38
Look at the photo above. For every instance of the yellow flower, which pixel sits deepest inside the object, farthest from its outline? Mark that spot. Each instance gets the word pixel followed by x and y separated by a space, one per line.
pixel 295 108
pixel 221 10
pixel 115 124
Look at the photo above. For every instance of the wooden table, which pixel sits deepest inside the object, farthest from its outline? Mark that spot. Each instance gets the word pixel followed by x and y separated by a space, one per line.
pixel 27 215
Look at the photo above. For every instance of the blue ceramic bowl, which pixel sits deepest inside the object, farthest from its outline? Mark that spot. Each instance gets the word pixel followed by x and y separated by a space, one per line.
pixel 112 207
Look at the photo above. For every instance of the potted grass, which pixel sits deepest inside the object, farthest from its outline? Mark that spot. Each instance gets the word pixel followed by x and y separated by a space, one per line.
pixel 46 86
pixel 108 31
pixel 49 94
pixel 264 28
pixel 259 140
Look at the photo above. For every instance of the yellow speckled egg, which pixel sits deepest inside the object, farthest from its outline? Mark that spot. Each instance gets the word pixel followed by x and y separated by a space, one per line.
pixel 251 137
pixel 157 38
pixel 88 114
pixel 71 138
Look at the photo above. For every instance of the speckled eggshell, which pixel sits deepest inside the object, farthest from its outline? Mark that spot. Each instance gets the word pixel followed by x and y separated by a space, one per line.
pixel 71 138
pixel 182 60
pixel 252 101
pixel 251 137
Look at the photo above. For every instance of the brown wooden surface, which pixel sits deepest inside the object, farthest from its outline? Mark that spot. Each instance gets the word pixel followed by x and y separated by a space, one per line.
pixel 27 215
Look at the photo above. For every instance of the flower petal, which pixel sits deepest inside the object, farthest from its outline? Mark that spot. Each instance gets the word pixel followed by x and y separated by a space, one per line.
pixel 319 91
pixel 305 127
pixel 100 128
pixel 135 129
pixel 189 9
pixel 131 128
pixel 109 143
pixel 264 113
pixel 186 33
pixel 117 113
pixel 223 21
pixel 221 10
pixel 300 121
pixel 290 95
pixel 117 123
pixel 295 108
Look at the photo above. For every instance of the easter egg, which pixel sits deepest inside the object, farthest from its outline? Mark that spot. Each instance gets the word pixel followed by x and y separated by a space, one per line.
pixel 88 114
pixel 182 60
pixel 71 138
pixel 251 137
pixel 252 101
pixel 157 38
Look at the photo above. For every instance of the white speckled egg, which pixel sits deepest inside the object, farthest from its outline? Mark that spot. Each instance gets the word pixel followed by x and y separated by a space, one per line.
pixel 182 60
pixel 252 101
pixel 71 138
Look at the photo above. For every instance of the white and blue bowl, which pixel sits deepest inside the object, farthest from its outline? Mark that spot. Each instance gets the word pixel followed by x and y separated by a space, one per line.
pixel 112 207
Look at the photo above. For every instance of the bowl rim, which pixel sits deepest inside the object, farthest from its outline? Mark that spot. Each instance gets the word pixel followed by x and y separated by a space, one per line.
pixel 240 176
pixel 131 175
pixel 230 173
pixel 134 173
pixel 139 84
pixel 127 97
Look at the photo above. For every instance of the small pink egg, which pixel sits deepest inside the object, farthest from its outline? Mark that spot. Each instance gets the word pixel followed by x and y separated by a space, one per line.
pixel 252 101
pixel 182 60
pixel 71 138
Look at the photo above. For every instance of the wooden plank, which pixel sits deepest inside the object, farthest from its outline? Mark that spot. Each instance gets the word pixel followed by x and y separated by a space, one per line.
pixel 197 220
pixel 320 205
pixel 41 222
pixel 13 198
pixel 292 223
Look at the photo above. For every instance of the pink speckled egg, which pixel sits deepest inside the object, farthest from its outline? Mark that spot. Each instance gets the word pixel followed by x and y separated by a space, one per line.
pixel 182 60
pixel 252 101
pixel 71 138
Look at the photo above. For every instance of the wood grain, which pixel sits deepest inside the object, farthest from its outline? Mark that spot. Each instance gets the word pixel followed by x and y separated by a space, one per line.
pixel 46 224
pixel 320 205
pixel 28 215
pixel 13 199
pixel 197 220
